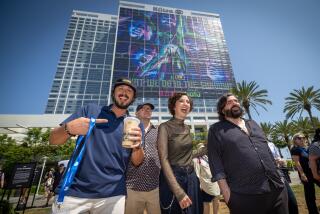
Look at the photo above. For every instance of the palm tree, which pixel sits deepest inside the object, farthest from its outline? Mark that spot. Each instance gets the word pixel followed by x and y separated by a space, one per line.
pixel 250 96
pixel 304 126
pixel 316 121
pixel 267 129
pixel 302 99
pixel 283 131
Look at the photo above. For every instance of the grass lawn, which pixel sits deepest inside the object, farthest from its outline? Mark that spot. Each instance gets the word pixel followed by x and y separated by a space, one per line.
pixel 298 191
pixel 38 211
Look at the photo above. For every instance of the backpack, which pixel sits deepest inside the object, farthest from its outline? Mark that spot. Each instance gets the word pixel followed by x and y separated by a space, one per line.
pixel 203 172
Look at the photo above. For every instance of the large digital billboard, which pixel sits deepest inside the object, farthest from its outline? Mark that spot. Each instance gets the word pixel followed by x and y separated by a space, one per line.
pixel 165 50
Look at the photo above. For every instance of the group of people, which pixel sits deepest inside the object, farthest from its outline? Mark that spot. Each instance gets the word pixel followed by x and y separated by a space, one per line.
pixel 160 173
pixel 52 180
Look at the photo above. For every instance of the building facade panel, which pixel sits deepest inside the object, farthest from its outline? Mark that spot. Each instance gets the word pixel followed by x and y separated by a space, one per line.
pixel 84 69
pixel 162 50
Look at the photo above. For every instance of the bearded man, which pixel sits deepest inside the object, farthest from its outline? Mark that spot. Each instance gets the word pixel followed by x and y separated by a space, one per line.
pixel 241 161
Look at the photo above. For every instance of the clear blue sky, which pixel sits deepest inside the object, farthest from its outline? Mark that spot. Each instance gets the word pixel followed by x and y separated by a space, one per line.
pixel 275 43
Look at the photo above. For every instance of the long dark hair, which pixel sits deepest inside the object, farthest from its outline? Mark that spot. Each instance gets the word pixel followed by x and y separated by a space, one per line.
pixel 221 104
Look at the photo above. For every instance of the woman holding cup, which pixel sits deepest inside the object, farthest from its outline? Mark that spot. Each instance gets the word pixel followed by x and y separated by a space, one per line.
pixel 179 185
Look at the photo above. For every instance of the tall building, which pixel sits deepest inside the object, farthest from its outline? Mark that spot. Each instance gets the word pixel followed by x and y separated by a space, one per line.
pixel 84 69
pixel 163 50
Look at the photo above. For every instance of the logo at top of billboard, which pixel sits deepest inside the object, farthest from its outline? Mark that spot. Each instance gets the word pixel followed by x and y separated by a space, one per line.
pixel 165 10
pixel 179 12
pixel 162 10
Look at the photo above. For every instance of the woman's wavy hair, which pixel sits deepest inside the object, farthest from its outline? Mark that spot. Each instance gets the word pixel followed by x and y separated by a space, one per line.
pixel 174 98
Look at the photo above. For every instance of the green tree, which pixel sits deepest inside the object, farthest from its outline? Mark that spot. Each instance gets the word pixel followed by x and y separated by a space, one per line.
pixel 300 100
pixel 251 96
pixel 282 132
pixel 14 153
pixel 303 125
pixel 37 136
pixel 32 150
pixel 45 136
pixel 33 136
pixel 267 129
pixel 4 138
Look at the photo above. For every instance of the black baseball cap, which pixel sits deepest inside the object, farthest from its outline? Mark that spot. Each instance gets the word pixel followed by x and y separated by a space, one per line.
pixel 143 104
pixel 124 81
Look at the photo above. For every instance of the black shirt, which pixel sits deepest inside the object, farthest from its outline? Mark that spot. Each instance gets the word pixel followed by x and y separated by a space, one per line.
pixel 245 161
pixel 303 159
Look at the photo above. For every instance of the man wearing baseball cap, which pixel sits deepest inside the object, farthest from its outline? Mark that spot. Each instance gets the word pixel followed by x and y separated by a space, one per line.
pixel 99 183
pixel 143 181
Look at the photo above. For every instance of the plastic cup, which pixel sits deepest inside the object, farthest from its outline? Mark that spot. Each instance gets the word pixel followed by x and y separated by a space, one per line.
pixel 129 123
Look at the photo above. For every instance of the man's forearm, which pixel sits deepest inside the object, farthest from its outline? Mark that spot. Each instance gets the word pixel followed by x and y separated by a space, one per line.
pixel 300 170
pixel 313 166
pixel 137 156
pixel 58 136
pixel 225 190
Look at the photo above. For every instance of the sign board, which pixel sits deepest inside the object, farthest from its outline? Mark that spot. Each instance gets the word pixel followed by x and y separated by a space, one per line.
pixel 285 152
pixel 22 175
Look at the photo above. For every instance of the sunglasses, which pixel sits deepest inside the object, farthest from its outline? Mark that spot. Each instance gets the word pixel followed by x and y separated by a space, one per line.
pixel 300 138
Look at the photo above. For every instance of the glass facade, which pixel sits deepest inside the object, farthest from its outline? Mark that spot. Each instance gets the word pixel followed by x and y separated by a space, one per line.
pixel 163 50
pixel 84 69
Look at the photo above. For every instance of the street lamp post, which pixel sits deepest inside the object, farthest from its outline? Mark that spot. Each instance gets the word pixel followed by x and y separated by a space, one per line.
pixel 43 165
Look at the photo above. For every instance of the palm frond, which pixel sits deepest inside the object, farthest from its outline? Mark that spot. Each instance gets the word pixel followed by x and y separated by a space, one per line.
pixel 251 96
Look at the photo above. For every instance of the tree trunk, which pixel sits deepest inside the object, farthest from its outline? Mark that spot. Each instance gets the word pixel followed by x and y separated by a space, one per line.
pixel 248 112
pixel 311 118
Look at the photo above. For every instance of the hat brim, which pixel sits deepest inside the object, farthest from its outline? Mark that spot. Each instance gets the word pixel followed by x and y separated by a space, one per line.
pixel 149 104
pixel 124 83
pixel 141 106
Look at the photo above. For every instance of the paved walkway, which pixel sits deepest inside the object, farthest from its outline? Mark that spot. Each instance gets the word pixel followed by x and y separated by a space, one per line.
pixel 39 201
pixel 294 176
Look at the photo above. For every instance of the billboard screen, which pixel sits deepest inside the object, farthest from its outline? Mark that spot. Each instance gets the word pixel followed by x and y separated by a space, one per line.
pixel 163 52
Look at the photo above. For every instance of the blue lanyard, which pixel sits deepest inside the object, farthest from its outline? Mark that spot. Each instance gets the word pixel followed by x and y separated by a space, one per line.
pixel 74 163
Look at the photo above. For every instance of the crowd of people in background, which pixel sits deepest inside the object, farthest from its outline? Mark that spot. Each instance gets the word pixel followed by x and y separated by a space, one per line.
pixel 163 173
pixel 52 180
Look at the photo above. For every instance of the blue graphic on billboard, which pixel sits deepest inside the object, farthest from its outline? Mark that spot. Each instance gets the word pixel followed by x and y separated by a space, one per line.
pixel 162 53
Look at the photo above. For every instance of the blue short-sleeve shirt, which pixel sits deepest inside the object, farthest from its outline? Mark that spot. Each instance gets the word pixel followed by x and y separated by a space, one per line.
pixel 103 168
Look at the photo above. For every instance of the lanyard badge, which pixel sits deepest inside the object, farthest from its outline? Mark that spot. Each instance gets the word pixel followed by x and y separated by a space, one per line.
pixel 74 163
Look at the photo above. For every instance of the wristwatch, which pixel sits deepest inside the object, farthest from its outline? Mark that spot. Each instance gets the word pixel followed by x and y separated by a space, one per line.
pixel 65 127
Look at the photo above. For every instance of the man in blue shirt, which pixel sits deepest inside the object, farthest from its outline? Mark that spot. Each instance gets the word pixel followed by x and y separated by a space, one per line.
pixel 99 184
